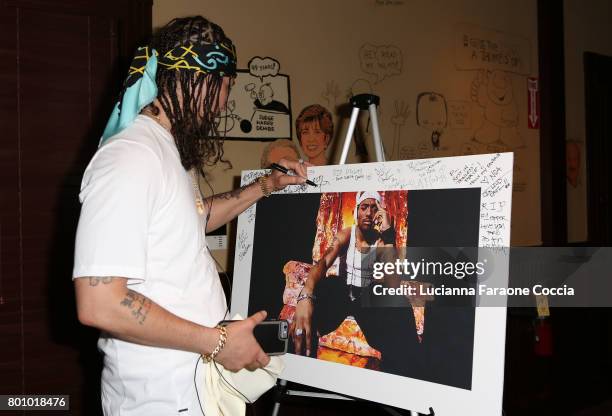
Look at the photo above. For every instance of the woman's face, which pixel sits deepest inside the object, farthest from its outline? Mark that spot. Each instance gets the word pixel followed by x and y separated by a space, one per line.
pixel 313 139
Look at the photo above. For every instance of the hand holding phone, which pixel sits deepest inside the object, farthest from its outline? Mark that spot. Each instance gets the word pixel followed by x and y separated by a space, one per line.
pixel 272 335
pixel 241 349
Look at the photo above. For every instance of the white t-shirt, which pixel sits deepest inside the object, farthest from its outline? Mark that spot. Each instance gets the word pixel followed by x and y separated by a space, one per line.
pixel 139 220
pixel 359 266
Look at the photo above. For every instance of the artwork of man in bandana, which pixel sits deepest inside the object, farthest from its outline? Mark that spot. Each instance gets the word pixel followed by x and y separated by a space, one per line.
pixel 325 302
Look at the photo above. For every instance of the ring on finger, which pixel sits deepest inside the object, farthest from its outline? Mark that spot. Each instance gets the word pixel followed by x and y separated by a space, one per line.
pixel 299 332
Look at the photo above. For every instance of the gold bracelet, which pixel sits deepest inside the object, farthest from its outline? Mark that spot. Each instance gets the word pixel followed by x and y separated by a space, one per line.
pixel 220 344
pixel 263 183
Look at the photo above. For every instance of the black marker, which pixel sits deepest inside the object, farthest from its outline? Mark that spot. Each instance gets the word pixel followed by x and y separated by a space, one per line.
pixel 283 169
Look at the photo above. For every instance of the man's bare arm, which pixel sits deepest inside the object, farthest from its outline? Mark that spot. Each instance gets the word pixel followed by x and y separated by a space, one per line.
pixel 338 245
pixel 108 304
pixel 227 206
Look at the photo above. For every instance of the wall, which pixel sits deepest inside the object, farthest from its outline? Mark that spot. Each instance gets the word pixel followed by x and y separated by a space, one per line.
pixel 342 45
pixel 587 29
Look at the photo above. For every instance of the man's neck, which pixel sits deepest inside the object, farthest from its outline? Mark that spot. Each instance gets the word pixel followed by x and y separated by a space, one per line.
pixel 159 115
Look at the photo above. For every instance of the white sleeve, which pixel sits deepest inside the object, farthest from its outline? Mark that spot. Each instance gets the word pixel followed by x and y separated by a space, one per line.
pixel 118 195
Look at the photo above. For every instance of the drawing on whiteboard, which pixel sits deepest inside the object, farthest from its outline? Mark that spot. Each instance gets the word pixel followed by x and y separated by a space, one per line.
pixel 492 90
pixel 259 106
pixel 432 115
pixel 380 61
pixel 331 94
pixel 402 112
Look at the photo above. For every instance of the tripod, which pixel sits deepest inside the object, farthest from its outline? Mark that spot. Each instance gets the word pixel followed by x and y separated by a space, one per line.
pixel 358 102
pixel 363 102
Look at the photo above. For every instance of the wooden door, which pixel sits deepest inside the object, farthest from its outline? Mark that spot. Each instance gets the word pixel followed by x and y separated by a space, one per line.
pixel 61 66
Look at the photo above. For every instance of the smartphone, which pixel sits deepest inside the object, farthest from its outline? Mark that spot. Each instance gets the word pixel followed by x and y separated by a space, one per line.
pixel 272 335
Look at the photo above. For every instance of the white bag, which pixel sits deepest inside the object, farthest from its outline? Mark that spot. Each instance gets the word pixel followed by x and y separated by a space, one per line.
pixel 226 393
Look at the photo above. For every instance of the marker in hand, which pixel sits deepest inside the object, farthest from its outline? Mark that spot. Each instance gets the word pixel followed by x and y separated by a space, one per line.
pixel 284 170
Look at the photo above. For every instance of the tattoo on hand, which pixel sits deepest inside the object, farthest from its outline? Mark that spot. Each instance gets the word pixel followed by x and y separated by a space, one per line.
pixel 138 304
pixel 95 281
pixel 231 194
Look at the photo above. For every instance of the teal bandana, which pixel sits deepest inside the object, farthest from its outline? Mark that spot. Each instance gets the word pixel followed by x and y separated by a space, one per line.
pixel 140 88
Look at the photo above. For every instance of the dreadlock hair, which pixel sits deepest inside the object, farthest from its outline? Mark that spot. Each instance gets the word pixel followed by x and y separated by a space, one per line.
pixel 189 97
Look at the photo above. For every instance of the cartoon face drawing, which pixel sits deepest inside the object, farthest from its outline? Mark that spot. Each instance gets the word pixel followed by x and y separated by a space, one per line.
pixel 265 94
pixel 499 88
pixel 431 111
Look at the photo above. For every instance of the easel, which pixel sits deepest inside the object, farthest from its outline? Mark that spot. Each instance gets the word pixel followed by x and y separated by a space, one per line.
pixel 358 102
pixel 363 102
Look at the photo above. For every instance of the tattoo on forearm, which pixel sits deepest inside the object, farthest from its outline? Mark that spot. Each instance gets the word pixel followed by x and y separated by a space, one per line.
pixel 138 304
pixel 231 194
pixel 95 281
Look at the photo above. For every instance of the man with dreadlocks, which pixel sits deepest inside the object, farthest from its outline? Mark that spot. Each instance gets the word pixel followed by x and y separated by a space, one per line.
pixel 142 272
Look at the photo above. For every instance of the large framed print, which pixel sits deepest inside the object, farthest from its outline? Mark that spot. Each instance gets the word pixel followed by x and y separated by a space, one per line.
pixel 419 353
